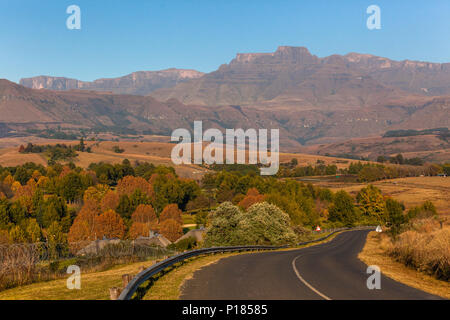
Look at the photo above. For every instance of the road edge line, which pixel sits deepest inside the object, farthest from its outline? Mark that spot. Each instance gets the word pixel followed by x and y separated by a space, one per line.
pixel 297 273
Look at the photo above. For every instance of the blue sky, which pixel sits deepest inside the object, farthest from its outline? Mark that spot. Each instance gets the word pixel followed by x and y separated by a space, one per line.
pixel 118 37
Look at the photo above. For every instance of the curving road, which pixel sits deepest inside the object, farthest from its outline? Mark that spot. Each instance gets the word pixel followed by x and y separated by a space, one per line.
pixel 327 271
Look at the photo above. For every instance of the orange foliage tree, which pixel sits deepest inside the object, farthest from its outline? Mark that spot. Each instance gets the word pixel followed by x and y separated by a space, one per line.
pixel 144 213
pixel 144 219
pixel 171 211
pixel 110 201
pixel 83 227
pixel 252 197
pixel 171 229
pixel 110 225
pixel 129 184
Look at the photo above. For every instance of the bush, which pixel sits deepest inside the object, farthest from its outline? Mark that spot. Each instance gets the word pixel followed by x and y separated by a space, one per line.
pixel 265 224
pixel 261 224
pixel 184 244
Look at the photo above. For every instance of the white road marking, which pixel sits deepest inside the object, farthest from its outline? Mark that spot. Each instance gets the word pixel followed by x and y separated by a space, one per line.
pixel 305 282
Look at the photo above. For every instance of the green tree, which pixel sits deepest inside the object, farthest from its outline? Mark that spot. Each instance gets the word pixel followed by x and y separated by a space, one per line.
pixel 125 208
pixel 222 229
pixel 72 187
pixel 343 209
pixel 33 231
pixel 371 202
pixel 5 220
pixel 265 224
pixel 395 217
pixel 57 241
pixel 17 235
pixel 22 175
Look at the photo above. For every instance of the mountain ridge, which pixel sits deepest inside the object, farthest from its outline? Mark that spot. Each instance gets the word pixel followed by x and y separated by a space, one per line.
pixel 137 83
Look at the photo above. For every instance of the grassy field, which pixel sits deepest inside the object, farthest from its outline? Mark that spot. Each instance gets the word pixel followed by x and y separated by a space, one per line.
pixel 158 153
pixel 411 191
pixel 94 286
pixel 374 253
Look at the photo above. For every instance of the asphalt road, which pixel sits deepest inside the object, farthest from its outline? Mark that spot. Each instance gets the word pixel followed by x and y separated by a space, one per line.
pixel 327 271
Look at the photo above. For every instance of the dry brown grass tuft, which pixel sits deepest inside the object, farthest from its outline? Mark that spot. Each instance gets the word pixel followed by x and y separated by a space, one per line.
pixel 426 248
pixel 375 253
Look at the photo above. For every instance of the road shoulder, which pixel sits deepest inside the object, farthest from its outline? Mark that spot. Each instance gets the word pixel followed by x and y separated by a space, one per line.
pixel 373 254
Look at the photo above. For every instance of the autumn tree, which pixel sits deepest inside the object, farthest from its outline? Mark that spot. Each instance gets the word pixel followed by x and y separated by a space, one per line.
pixel 171 211
pixel 144 213
pixel 129 184
pixel 171 229
pixel 96 192
pixel 138 229
pixel 83 227
pixel 144 219
pixel 371 202
pixel 9 180
pixel 110 225
pixel 252 197
pixel 110 201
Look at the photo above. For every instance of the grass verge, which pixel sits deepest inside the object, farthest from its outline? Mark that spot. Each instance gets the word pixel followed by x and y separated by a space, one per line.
pixel 374 254
pixel 94 286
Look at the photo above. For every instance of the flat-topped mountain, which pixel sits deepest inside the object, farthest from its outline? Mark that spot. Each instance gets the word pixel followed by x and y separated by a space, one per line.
pixel 310 99
pixel 293 76
pixel 137 83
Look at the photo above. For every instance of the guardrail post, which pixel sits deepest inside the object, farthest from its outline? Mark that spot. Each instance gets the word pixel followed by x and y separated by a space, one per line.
pixel 114 293
pixel 126 278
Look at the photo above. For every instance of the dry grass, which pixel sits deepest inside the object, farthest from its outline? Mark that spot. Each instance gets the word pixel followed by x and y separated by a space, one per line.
pixel 411 191
pixel 94 286
pixel 375 253
pixel 156 152
pixel 425 248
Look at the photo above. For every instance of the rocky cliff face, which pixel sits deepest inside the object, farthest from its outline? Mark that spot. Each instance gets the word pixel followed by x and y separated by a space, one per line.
pixel 310 99
pixel 290 74
pixel 138 83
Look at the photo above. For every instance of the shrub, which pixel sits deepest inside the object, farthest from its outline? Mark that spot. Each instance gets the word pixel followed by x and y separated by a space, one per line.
pixel 265 224
pixel 185 244
pixel 262 223
pixel 428 252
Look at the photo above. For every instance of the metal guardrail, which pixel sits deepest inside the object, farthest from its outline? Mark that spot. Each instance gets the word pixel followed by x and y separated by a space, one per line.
pixel 128 292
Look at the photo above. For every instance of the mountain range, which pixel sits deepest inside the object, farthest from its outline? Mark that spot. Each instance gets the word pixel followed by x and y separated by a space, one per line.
pixel 312 100
pixel 138 83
